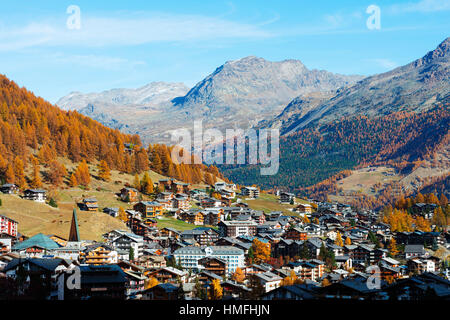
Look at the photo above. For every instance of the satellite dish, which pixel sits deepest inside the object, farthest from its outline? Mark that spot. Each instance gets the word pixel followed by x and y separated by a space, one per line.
pixel 208 251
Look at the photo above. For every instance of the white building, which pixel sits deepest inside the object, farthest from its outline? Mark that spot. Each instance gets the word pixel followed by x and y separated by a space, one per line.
pixel 189 256
pixel 127 241
pixel 269 280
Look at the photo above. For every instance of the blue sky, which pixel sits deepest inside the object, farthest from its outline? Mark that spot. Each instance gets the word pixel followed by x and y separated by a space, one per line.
pixel 131 43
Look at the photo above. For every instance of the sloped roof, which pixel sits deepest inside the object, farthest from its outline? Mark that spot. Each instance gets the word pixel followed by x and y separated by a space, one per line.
pixel 48 264
pixel 40 240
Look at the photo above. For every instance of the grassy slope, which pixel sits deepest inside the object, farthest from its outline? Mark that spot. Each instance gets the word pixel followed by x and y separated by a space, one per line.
pixel 36 217
pixel 269 202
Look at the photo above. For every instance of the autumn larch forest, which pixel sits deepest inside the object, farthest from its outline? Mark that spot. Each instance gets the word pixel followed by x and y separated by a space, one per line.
pixel 33 132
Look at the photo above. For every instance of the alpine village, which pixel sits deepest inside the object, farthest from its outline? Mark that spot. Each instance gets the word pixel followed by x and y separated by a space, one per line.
pixel 78 197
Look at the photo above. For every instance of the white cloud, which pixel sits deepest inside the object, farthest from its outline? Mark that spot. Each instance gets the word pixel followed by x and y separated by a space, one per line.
pixel 113 31
pixel 423 6
pixel 385 63
pixel 95 61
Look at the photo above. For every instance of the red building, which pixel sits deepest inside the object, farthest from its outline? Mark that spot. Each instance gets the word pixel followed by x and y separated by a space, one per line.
pixel 8 226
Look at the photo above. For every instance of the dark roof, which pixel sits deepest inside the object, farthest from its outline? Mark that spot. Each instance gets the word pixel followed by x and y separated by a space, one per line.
pixel 102 274
pixel 47 264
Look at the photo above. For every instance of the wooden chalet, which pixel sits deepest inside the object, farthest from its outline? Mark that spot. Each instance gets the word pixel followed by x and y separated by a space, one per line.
pixel 214 265
pixel 149 209
pixel 129 194
pixel 90 204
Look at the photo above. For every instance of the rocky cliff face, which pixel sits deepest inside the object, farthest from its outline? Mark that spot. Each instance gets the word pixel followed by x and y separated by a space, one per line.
pixel 150 95
pixel 238 94
pixel 415 86
pixel 253 89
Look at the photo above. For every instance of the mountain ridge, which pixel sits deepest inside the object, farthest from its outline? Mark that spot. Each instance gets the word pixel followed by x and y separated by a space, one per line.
pixel 414 86
pixel 237 94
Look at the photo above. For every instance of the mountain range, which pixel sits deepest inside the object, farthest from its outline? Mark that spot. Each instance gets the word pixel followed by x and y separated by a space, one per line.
pixel 238 94
pixel 413 87
pixel 397 123
pixel 329 122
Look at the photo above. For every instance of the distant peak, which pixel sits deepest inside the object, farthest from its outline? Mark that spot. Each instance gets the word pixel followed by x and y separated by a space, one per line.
pixel 442 50
pixel 444 46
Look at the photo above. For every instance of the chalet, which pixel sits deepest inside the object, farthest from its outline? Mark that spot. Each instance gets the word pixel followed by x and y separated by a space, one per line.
pixel 418 266
pixel 225 202
pixel 303 208
pixel 8 226
pixel 286 197
pixel 426 286
pixel 250 192
pixel 5 246
pixel 425 210
pixel 133 215
pixel 90 204
pixel 343 262
pixel 127 241
pixel 37 195
pixel 170 232
pixel 259 217
pixel 234 242
pixel 181 201
pixel 180 187
pixel 166 184
pixel 149 209
pixel 355 288
pixel 162 291
pixel 218 186
pixel 166 204
pixel 135 283
pixel 195 217
pixel 203 236
pixel 113 212
pixel 210 203
pixel 296 234
pixel 419 238
pixel 36 246
pixel 227 193
pixel 257 268
pixel 152 262
pixel 143 229
pixel 237 228
pixel 337 250
pixel 215 265
pixel 212 217
pixel 287 248
pixel 293 292
pixel 129 194
pixel 308 269
pixel 414 251
pixel 169 274
pixel 99 282
pixel 9 188
pixel 234 290
pixel 41 274
pixel 98 254
pixel 164 196
pixel 268 280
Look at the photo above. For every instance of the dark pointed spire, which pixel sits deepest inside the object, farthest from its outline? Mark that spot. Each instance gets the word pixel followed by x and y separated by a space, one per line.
pixel 74 235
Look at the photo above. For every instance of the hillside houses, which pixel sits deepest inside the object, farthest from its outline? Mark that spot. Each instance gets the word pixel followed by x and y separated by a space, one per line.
pixel 265 247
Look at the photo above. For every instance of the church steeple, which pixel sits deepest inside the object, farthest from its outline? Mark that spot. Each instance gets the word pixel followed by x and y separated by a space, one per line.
pixel 74 235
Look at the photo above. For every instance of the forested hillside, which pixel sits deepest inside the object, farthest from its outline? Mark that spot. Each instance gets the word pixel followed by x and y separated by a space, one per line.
pixel 400 139
pixel 34 132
